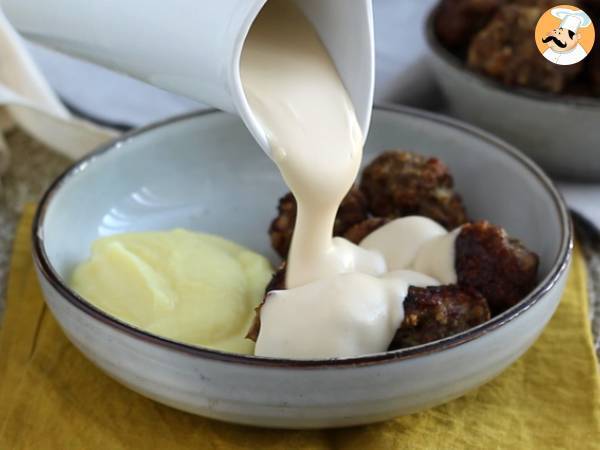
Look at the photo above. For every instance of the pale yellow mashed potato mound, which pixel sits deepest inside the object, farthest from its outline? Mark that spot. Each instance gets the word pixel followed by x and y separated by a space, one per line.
pixel 191 287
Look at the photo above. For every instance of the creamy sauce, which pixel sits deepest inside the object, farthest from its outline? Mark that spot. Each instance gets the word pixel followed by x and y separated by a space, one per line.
pixel 416 243
pixel 436 258
pixel 342 300
pixel 345 323
pixel 408 234
pixel 295 91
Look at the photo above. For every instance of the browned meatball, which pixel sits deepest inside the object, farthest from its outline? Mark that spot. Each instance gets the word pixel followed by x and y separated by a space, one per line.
pixel 457 21
pixel 353 210
pixel 436 312
pixel 277 283
pixel 399 183
pixel 255 327
pixel 361 230
pixel 505 50
pixel 498 266
pixel 282 226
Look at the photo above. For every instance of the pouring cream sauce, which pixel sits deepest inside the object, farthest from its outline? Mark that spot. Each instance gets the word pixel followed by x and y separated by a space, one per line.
pixel 341 299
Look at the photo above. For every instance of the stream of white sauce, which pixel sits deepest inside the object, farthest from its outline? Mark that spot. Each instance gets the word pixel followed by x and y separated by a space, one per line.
pixel 342 299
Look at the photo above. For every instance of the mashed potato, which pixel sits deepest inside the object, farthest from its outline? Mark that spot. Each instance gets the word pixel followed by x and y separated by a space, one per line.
pixel 194 288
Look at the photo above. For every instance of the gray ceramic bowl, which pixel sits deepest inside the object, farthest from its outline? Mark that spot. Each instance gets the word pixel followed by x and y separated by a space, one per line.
pixel 204 172
pixel 561 133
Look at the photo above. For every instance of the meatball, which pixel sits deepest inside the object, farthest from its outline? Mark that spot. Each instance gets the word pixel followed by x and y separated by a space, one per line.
pixel 505 50
pixel 501 268
pixel 254 330
pixel 457 21
pixel 361 230
pixel 277 283
pixel 353 210
pixel 282 226
pixel 399 183
pixel 436 312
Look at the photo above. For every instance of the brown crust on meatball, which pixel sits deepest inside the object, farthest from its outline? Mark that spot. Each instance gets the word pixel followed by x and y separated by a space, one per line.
pixel 505 50
pixel 356 233
pixel 400 183
pixel 436 312
pixel 458 21
pixel 498 266
pixel 255 327
pixel 282 226
pixel 353 210
pixel 277 283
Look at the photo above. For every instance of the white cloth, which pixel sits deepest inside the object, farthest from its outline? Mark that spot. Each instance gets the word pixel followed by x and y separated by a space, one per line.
pixel 573 56
pixel 27 100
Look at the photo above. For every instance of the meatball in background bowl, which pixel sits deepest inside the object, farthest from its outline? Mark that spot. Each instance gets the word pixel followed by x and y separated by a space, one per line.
pixel 205 172
pixel 502 84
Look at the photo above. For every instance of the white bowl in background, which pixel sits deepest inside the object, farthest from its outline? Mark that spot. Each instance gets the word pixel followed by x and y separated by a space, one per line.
pixel 560 132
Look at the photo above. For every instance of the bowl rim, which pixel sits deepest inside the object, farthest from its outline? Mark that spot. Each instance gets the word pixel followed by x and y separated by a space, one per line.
pixel 452 60
pixel 558 268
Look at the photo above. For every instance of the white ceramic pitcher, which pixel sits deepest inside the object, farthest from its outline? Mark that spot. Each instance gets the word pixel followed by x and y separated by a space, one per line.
pixel 193 47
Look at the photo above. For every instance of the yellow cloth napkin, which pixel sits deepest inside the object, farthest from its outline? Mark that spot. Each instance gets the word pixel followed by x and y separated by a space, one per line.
pixel 51 397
